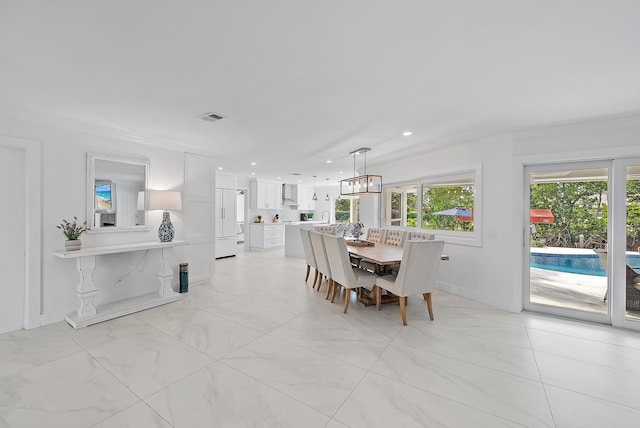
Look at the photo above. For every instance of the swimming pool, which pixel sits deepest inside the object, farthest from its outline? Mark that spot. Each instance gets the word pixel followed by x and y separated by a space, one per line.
pixel 582 263
pixel 585 264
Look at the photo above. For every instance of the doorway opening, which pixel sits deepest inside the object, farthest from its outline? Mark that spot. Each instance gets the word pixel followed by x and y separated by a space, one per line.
pixel 568 217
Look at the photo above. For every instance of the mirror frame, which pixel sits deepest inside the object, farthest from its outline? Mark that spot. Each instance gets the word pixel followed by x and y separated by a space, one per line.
pixel 91 162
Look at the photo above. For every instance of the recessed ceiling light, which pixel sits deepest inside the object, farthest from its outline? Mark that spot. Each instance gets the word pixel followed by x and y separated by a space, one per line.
pixel 340 172
pixel 329 161
pixel 253 173
pixel 278 178
pixel 253 164
pixel 219 167
pixel 407 133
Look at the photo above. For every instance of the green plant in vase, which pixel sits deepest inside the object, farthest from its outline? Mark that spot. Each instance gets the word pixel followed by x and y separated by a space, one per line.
pixel 72 231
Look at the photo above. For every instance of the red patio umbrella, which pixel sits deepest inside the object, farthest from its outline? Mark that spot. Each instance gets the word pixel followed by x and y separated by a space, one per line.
pixel 541 216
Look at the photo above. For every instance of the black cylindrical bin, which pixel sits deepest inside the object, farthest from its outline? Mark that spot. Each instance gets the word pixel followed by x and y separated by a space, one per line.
pixel 184 277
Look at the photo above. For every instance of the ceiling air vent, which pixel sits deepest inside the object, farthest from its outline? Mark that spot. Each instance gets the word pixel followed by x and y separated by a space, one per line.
pixel 211 117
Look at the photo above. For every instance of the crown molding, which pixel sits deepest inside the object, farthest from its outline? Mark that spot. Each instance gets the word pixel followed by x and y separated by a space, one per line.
pixel 67 124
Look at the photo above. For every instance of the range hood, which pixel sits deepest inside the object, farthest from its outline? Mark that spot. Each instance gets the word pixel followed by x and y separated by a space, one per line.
pixel 289 194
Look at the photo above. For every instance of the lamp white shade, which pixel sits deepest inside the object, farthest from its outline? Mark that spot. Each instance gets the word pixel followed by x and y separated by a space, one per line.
pixel 165 200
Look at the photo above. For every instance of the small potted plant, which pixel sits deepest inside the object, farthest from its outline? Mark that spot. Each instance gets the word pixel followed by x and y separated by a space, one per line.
pixel 72 231
pixel 259 219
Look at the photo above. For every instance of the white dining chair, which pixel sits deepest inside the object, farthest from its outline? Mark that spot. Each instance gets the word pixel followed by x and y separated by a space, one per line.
pixel 395 237
pixel 331 230
pixel 322 263
pixel 417 274
pixel 419 236
pixel 375 234
pixel 309 256
pixel 342 272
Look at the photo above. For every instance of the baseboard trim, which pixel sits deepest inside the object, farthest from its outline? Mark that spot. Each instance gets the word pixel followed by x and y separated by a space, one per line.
pixel 475 296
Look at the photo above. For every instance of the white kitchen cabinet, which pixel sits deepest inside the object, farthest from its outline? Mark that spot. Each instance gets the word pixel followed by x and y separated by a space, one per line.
pixel 267 235
pixel 266 195
pixel 225 222
pixel 305 198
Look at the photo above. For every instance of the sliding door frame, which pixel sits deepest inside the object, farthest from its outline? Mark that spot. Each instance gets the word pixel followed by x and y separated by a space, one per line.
pixel 555 310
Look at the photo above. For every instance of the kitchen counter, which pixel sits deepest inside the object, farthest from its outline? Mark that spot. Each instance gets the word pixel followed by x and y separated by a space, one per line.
pixel 314 222
pixel 267 235
pixel 293 241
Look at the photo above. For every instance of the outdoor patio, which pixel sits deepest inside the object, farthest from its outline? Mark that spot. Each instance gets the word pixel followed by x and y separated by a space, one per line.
pixel 570 290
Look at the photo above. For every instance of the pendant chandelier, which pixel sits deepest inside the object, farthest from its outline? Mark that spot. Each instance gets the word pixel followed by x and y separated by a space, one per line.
pixel 363 184
pixel 315 196
pixel 326 198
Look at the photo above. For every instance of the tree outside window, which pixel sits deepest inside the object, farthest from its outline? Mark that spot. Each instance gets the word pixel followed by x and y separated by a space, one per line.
pixel 443 202
pixel 438 198
pixel 346 210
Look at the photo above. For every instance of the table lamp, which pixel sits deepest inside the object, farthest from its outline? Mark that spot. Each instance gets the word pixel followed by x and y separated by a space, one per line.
pixel 166 201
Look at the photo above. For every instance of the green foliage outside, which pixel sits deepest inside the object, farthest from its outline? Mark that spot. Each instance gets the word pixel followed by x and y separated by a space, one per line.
pixel 342 216
pixel 342 209
pixel 412 218
pixel 581 208
pixel 443 198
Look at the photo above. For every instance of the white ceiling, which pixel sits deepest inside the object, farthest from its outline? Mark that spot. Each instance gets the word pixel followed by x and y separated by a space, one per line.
pixel 305 81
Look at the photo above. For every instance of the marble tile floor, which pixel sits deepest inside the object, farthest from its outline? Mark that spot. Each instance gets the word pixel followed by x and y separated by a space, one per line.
pixel 257 347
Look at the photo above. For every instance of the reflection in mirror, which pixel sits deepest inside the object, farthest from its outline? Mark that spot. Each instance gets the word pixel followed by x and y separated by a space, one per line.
pixel 116 193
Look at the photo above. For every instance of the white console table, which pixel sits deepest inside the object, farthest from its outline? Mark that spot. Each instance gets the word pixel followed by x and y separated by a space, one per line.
pixel 87 313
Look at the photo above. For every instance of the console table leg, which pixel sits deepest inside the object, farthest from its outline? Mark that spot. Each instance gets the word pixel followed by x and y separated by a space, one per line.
pixel 86 288
pixel 166 274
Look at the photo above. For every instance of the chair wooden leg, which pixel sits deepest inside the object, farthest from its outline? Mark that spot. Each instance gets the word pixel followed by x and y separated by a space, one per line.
pixel 403 310
pixel 315 278
pixel 347 299
pixel 329 288
pixel 427 298
pixel 378 291
pixel 334 291
pixel 308 270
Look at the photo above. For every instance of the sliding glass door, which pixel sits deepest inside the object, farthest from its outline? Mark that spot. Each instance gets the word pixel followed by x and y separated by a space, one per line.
pixel 567 262
pixel 631 276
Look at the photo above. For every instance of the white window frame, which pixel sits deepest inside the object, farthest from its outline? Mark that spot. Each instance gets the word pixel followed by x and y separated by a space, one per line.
pixel 472 238
pixel 333 207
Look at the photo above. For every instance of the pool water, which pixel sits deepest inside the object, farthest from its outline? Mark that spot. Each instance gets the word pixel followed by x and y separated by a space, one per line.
pixel 585 264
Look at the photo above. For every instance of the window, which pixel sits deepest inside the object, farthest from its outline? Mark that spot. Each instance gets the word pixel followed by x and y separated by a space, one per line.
pixel 346 210
pixel 448 203
pixel 401 205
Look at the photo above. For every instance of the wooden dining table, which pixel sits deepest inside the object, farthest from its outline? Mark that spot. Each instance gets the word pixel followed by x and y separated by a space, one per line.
pixel 383 255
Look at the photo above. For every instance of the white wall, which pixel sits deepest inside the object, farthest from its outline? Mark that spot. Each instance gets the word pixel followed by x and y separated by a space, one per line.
pixel 13 230
pixel 64 195
pixel 492 273
pixel 482 273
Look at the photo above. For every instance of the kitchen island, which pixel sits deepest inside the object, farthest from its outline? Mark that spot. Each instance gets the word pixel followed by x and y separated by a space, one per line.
pixel 292 239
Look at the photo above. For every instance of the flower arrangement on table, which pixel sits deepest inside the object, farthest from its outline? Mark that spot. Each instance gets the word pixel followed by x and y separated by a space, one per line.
pixel 357 230
pixel 72 231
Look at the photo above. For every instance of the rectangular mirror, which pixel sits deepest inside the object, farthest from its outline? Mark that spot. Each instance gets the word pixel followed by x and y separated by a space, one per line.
pixel 116 193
